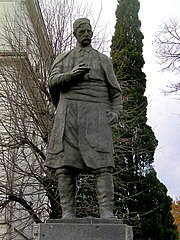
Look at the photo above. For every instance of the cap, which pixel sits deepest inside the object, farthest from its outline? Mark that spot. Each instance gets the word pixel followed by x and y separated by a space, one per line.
pixel 80 21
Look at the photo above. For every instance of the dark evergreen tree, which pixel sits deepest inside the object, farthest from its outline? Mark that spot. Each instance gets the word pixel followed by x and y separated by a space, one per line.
pixel 135 142
pixel 155 220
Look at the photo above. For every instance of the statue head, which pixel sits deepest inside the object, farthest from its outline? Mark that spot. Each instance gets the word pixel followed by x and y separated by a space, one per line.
pixel 83 31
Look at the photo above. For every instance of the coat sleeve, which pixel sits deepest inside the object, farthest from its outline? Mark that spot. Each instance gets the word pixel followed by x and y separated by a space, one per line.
pixel 116 101
pixel 60 79
pixel 57 82
pixel 115 93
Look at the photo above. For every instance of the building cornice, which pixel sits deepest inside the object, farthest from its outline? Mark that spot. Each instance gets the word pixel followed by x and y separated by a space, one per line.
pixel 35 15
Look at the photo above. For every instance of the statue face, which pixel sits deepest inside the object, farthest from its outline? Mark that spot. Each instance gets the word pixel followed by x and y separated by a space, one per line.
pixel 84 34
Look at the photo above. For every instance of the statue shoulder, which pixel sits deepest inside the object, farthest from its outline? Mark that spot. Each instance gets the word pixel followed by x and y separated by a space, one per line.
pixel 61 56
pixel 104 57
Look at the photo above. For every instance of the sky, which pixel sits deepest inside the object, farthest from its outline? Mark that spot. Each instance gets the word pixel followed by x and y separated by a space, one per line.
pixel 163 111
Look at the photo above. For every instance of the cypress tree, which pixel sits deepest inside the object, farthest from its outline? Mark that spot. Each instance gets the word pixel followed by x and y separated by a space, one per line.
pixel 135 142
pixel 154 206
pixel 126 50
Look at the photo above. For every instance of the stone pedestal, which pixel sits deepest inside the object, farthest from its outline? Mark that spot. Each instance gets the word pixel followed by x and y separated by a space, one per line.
pixel 85 229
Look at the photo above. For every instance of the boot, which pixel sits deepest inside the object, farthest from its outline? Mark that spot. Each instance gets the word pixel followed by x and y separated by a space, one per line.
pixel 67 189
pixel 105 194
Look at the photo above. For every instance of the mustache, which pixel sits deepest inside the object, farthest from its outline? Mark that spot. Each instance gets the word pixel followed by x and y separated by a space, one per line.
pixel 86 38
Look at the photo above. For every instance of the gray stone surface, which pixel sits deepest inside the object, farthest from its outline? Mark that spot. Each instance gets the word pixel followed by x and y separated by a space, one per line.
pixel 91 229
pixel 87 220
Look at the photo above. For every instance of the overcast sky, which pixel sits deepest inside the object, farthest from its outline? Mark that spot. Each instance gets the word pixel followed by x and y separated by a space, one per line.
pixel 162 110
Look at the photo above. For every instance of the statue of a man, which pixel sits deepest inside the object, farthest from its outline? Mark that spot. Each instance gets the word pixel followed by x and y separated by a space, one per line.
pixel 88 98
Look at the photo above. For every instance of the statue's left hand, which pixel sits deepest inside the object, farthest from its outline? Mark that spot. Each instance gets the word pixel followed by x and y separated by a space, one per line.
pixel 112 117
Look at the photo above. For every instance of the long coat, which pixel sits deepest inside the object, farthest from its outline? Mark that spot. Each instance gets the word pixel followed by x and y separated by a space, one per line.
pixel 93 137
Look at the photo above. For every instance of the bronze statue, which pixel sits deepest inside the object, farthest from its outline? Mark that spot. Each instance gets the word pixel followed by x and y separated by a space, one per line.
pixel 88 98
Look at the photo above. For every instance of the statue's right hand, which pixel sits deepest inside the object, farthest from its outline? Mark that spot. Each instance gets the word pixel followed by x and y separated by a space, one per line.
pixel 79 70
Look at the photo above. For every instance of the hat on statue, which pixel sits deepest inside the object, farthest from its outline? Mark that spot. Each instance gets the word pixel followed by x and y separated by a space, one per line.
pixel 80 21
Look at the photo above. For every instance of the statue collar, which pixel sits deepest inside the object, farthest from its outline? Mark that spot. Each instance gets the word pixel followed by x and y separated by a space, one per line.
pixel 83 49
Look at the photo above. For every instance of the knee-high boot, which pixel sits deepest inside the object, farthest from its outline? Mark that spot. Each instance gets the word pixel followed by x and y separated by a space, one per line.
pixel 67 189
pixel 105 194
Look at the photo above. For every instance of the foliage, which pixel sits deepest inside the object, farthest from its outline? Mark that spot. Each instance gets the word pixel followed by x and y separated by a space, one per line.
pixel 136 184
pixel 176 213
pixel 155 218
pixel 138 138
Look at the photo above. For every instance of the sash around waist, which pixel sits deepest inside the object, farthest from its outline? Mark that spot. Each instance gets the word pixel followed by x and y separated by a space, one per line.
pixel 88 91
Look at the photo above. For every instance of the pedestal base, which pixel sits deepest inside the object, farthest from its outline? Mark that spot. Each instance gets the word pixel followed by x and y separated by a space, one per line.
pixel 85 229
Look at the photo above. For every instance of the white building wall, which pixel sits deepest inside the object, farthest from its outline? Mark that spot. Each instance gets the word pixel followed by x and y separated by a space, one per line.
pixel 8 10
pixel 13 12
